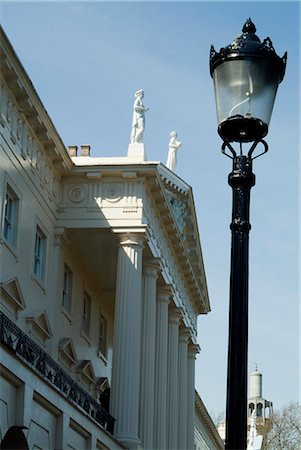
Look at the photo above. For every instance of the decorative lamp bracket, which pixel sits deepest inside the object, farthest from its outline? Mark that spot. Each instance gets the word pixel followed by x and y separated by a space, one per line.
pixel 226 144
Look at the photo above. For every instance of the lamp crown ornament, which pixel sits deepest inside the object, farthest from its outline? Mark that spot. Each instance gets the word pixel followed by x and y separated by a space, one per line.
pixel 248 44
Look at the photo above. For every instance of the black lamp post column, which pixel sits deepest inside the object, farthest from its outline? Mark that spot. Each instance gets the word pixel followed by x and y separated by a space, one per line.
pixel 246 75
pixel 241 179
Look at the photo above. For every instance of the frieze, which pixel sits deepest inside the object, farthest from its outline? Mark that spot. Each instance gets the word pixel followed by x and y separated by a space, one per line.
pixel 94 195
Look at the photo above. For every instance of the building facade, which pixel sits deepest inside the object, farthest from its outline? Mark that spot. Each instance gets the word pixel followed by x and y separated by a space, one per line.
pixel 101 281
pixel 206 436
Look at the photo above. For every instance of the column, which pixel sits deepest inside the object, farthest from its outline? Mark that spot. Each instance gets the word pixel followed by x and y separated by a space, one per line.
pixel 125 383
pixel 183 375
pixel 192 352
pixel 160 422
pixel 172 377
pixel 147 394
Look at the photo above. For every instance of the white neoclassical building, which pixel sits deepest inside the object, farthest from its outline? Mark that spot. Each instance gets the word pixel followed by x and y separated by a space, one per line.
pixel 101 283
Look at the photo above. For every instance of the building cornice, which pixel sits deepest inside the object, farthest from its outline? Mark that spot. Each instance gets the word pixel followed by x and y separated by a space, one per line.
pixel 30 105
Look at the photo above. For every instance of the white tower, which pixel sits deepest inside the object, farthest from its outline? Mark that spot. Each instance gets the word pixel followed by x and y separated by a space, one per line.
pixel 259 409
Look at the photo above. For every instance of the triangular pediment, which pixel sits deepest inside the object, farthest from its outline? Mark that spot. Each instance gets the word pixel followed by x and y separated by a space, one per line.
pixel 67 351
pixel 11 294
pixel 39 323
pixel 86 371
pixel 102 384
pixel 179 208
pixel 182 227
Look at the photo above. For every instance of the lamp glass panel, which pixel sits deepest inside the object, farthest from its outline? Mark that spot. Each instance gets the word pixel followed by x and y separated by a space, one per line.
pixel 245 87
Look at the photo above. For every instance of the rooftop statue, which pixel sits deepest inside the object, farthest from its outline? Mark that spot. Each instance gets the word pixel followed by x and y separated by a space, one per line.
pixel 255 441
pixel 174 145
pixel 138 123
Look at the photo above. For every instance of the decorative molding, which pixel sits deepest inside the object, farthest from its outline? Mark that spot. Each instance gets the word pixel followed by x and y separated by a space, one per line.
pixel 86 373
pixel 38 153
pixel 113 192
pixel 67 352
pixel 179 208
pixel 130 209
pixel 39 324
pixel 28 105
pixel 77 193
pixel 101 385
pixel 11 294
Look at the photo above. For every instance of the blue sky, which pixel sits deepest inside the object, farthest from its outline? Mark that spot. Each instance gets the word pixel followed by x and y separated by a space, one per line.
pixel 86 60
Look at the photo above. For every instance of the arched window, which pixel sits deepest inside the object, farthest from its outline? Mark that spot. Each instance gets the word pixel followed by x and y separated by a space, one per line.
pixel 259 409
pixel 251 408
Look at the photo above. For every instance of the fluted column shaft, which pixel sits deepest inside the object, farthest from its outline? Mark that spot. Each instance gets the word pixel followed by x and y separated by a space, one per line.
pixel 172 377
pixel 192 351
pixel 160 424
pixel 183 383
pixel 127 340
pixel 147 395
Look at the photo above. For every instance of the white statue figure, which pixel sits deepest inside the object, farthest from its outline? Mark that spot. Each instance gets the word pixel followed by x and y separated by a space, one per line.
pixel 253 432
pixel 173 146
pixel 138 118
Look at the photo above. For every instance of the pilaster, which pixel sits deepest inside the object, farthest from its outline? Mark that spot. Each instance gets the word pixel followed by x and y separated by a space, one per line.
pixel 25 404
pixel 62 430
pixel 172 376
pixel 60 242
pixel 125 388
pixel 183 383
pixel 160 425
pixel 147 395
pixel 192 352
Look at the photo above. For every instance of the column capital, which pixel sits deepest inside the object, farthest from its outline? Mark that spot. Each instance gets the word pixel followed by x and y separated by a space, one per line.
pixel 174 315
pixel 193 350
pixel 184 334
pixel 151 267
pixel 130 236
pixel 164 293
pixel 60 236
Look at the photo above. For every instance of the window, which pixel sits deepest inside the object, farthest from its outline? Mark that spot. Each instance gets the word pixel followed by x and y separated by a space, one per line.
pixel 11 212
pixel 67 289
pixel 39 254
pixel 86 314
pixel 103 336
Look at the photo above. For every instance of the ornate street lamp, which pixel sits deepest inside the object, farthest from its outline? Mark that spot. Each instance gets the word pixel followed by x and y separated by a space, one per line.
pixel 246 76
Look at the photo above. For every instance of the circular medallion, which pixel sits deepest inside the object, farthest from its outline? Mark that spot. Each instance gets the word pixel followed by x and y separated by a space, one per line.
pixel 77 194
pixel 113 193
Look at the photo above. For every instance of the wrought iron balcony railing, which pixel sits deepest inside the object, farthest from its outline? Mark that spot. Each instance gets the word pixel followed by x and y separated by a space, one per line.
pixel 37 359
